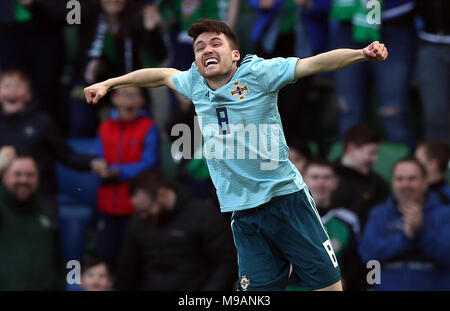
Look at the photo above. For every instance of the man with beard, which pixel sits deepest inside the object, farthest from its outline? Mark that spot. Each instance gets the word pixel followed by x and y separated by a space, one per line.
pixel 175 241
pixel 31 257
pixel 409 234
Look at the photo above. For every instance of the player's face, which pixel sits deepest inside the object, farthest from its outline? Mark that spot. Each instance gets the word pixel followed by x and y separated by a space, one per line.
pixel 14 94
pixel 128 101
pixel 408 183
pixel 214 57
pixel 96 278
pixel 322 182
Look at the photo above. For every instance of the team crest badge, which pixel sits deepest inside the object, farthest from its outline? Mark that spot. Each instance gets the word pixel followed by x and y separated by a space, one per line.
pixel 244 283
pixel 239 90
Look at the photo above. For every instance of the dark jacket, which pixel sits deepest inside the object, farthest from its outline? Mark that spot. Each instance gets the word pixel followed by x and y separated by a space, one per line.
pixel 190 248
pixel 422 263
pixel 358 192
pixel 442 190
pixel 114 51
pixel 46 14
pixel 34 132
pixel 434 14
pixel 31 256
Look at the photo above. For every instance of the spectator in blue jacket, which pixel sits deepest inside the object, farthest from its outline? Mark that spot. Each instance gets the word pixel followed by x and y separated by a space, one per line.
pixel 435 156
pixel 409 234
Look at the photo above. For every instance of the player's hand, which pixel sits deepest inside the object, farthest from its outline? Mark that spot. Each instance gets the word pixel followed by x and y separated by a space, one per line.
pixel 95 92
pixel 375 51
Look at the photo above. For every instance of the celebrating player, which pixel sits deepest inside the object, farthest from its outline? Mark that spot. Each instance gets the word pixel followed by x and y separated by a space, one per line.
pixel 275 223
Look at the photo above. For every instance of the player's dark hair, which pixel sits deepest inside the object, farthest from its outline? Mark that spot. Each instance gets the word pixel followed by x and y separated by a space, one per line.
pixel 150 181
pixel 211 25
pixel 318 161
pixel 301 147
pixel 359 135
pixel 95 261
pixel 437 150
pixel 414 161
pixel 22 76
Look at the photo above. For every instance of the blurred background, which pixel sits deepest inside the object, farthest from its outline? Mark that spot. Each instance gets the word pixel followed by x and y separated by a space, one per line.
pixel 99 185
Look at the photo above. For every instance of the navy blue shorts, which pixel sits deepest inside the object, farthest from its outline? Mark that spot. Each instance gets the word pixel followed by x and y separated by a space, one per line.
pixel 286 230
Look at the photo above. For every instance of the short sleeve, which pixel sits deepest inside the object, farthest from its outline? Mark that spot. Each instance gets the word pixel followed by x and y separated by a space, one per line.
pixel 275 73
pixel 183 83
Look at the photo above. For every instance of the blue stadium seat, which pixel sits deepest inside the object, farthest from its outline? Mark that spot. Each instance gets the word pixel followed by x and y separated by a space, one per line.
pixel 77 187
pixel 74 221
pixel 77 202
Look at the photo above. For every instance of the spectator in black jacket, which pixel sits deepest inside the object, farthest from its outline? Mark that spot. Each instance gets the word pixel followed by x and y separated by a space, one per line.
pixel 359 187
pixel 26 129
pixel 175 241
pixel 31 39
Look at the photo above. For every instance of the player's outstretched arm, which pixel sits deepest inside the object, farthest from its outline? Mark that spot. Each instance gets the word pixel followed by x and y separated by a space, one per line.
pixel 338 59
pixel 150 77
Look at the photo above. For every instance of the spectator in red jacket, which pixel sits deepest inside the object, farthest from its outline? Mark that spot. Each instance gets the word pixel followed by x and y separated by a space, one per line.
pixel 128 142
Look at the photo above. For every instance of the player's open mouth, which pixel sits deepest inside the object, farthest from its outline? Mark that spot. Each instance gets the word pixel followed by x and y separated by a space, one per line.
pixel 210 61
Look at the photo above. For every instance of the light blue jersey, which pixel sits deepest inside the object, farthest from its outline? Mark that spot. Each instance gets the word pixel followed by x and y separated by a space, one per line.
pixel 244 143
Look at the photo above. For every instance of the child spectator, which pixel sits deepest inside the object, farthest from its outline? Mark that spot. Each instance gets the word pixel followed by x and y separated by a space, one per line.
pixel 128 142
pixel 29 130
pixel 360 188
pixel 96 275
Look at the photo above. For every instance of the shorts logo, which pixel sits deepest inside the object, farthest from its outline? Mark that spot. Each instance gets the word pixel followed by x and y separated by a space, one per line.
pixel 244 283
pixel 239 90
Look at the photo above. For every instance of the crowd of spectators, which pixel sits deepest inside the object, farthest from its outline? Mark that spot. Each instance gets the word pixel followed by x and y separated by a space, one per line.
pixel 155 222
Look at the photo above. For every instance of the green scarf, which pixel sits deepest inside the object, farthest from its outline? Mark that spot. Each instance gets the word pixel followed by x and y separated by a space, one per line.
pixel 362 30
pixel 21 13
pixel 357 12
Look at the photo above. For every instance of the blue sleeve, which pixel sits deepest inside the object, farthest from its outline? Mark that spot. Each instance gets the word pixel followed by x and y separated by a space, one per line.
pixel 378 244
pixel 149 157
pixel 275 73
pixel 183 83
pixel 434 238
pixel 254 4
pixel 98 147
